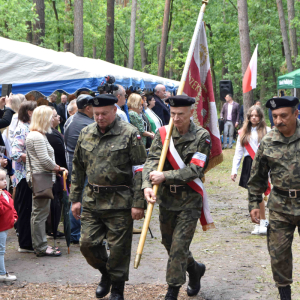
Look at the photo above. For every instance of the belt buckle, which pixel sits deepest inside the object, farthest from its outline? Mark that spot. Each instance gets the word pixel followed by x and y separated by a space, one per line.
pixel 173 189
pixel 292 191
pixel 96 189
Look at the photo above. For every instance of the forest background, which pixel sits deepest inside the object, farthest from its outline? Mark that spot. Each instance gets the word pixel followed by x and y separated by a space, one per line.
pixel 101 29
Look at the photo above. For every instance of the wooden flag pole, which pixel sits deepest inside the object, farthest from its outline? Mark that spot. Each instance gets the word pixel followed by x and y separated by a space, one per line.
pixel 167 140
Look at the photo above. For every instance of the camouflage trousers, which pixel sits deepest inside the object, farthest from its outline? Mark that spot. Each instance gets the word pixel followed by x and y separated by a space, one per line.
pixel 114 225
pixel 280 237
pixel 177 231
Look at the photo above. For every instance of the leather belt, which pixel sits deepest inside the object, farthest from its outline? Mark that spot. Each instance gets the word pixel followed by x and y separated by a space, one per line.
pixel 107 188
pixel 177 188
pixel 287 193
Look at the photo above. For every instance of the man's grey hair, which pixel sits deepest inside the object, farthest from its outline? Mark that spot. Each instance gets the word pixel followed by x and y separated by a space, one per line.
pixel 158 87
pixel 71 105
pixel 294 108
pixel 119 90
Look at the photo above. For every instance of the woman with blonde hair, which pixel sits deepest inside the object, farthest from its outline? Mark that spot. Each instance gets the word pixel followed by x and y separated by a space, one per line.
pixel 135 107
pixel 251 134
pixel 40 159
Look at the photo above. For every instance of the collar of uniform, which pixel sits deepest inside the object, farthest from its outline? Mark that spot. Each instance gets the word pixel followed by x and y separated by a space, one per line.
pixel 113 129
pixel 278 137
pixel 189 136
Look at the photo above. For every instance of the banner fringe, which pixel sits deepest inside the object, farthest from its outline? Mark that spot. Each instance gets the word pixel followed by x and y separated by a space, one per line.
pixel 208 226
pixel 213 162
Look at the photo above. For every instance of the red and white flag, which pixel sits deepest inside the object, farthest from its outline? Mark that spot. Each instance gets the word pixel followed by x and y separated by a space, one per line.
pixel 199 86
pixel 250 77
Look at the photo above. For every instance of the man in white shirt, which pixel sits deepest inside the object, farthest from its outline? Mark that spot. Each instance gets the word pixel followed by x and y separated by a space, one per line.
pixel 120 94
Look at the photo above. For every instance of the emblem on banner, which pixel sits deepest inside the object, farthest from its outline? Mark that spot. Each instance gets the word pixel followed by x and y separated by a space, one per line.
pixel 203 55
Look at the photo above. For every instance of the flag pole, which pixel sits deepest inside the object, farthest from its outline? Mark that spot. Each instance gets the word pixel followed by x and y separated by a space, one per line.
pixel 168 136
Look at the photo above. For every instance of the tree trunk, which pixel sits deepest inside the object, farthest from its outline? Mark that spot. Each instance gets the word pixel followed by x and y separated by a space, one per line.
pixel 94 51
pixel 164 39
pixel 39 25
pixel 67 46
pixel 144 57
pixel 132 34
pixel 263 85
pixel 58 30
pixel 29 32
pixel 171 57
pixel 109 36
pixel 245 47
pixel 78 27
pixel 292 29
pixel 285 40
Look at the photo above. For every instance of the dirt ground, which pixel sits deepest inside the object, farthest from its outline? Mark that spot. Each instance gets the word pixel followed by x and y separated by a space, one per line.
pixel 238 264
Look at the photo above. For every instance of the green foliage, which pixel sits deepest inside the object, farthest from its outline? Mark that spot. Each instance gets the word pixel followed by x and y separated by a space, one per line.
pixel 222 32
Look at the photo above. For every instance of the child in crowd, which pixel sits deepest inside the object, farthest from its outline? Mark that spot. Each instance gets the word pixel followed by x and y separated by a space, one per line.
pixel 8 216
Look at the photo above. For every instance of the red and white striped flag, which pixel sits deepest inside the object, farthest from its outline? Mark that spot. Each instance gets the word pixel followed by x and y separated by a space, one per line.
pixel 199 86
pixel 250 77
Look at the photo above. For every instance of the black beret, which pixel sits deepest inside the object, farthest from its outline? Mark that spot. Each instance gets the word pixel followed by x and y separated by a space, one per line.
pixel 285 101
pixel 180 100
pixel 103 100
pixel 82 100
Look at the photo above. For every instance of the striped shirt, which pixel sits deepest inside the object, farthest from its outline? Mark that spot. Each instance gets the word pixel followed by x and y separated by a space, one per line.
pixel 41 155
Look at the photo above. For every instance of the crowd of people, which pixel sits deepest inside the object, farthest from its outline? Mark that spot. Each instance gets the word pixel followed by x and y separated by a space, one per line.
pixel 109 146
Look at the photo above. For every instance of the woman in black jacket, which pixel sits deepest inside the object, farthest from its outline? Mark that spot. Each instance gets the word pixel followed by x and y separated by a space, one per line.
pixel 56 141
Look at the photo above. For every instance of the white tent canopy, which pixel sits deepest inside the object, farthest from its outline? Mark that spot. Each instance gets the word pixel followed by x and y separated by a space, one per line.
pixel 31 68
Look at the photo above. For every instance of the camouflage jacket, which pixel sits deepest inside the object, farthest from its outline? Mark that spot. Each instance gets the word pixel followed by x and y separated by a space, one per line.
pixel 107 159
pixel 280 156
pixel 197 139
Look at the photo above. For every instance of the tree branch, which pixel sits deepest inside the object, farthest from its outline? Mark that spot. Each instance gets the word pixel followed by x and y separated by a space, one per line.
pixel 233 5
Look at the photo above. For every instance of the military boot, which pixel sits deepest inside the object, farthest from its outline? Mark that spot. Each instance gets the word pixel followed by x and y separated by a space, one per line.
pixel 103 287
pixel 117 291
pixel 285 293
pixel 196 271
pixel 172 293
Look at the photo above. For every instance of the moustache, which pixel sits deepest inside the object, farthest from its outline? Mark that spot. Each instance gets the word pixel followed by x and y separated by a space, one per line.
pixel 280 125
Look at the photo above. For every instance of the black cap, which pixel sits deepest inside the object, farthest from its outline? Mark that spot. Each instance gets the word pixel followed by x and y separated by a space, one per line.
pixel 285 101
pixel 180 100
pixel 103 100
pixel 83 100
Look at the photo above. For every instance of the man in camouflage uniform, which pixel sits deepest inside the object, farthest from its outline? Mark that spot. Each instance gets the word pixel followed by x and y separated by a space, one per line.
pixel 108 152
pixel 179 205
pixel 279 153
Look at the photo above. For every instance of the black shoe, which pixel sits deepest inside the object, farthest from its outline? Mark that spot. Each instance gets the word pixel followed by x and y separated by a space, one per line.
pixel 196 271
pixel 103 287
pixel 74 242
pixel 117 291
pixel 285 293
pixel 172 293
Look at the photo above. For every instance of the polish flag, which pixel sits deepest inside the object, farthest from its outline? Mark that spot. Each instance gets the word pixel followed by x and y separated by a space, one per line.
pixel 250 77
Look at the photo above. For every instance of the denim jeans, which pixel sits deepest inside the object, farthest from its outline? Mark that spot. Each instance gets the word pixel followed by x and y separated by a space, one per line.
pixel 228 130
pixel 76 224
pixel 3 236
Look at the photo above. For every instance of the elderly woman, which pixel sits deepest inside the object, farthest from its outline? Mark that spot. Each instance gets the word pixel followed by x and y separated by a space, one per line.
pixel 23 197
pixel 9 131
pixel 40 156
pixel 135 108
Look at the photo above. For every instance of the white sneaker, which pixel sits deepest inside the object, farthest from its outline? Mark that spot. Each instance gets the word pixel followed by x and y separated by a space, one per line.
pixel 7 277
pixel 263 227
pixel 256 230
pixel 21 250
